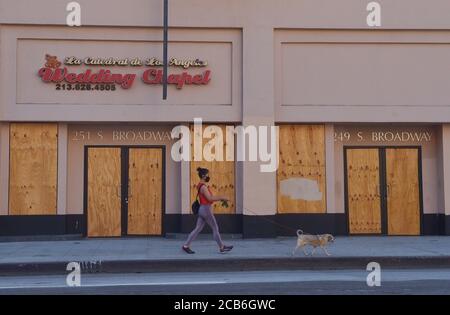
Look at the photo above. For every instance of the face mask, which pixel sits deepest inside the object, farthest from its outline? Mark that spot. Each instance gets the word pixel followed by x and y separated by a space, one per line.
pixel 207 179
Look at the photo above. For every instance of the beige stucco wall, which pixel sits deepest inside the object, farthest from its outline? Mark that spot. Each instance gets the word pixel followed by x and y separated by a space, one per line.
pixel 28 98
pixel 272 50
pixel 356 65
pixel 370 76
pixel 236 13
pixel 62 193
pixel 444 168
pixel 4 167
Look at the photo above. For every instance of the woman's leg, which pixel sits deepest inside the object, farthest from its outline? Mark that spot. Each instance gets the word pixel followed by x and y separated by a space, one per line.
pixel 198 228
pixel 211 221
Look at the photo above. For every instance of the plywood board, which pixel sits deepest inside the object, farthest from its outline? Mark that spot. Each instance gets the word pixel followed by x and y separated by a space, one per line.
pixel 301 179
pixel 33 168
pixel 222 175
pixel 145 191
pixel 104 196
pixel 364 200
pixel 403 204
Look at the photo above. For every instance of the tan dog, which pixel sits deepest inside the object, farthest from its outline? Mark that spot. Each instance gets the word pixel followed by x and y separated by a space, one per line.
pixel 315 241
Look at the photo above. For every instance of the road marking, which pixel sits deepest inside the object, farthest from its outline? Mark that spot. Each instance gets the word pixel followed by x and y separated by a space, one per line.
pixel 183 279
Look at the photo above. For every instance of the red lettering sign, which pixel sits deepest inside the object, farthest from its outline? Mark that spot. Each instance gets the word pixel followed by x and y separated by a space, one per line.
pixel 100 77
pixel 153 76
pixel 53 73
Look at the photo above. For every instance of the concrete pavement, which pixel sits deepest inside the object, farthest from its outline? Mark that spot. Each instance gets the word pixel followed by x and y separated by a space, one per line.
pixel 164 254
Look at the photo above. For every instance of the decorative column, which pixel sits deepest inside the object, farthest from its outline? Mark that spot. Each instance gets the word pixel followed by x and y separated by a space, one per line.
pixel 259 191
pixel 4 167
pixel 62 169
pixel 445 173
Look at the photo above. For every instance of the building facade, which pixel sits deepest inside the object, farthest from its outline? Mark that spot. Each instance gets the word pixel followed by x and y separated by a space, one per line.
pixel 363 115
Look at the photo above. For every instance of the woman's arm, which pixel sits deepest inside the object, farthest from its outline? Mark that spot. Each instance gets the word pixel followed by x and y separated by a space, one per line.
pixel 210 197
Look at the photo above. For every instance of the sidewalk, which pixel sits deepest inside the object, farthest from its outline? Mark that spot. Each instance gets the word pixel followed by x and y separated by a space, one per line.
pixel 165 255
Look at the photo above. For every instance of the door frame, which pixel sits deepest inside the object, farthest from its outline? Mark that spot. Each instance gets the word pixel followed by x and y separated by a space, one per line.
pixel 124 155
pixel 382 177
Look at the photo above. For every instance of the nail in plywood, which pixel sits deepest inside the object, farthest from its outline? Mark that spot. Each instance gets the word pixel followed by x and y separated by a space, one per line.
pixel 222 176
pixel 301 169
pixel 33 168
pixel 402 176
pixel 104 196
pixel 145 191
pixel 364 202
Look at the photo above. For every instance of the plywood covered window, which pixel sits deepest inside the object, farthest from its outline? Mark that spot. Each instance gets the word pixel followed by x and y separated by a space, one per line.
pixel 33 168
pixel 301 177
pixel 222 175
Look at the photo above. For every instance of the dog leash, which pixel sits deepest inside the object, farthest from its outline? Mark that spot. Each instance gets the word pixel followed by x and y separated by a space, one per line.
pixel 271 221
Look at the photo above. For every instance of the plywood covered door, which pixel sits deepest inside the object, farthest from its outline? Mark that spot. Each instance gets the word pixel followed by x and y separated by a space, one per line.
pixel 145 191
pixel 402 179
pixel 33 168
pixel 363 191
pixel 104 195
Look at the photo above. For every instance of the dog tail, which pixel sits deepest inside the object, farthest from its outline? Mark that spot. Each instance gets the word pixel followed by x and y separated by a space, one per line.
pixel 299 232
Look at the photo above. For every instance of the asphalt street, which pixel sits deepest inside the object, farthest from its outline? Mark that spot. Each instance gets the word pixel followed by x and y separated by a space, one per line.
pixel 424 281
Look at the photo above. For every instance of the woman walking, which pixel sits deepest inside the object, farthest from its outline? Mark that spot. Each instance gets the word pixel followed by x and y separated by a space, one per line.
pixel 205 214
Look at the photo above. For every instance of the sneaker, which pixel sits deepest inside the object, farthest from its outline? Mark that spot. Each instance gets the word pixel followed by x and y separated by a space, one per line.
pixel 188 250
pixel 226 248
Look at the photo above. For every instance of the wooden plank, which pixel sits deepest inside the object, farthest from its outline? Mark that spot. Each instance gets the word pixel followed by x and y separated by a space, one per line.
pixel 402 178
pixel 302 160
pixel 222 175
pixel 104 201
pixel 364 200
pixel 145 191
pixel 33 168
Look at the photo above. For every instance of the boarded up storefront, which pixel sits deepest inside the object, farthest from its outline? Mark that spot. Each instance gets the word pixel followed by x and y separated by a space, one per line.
pixel 301 173
pixel 33 169
pixel 222 175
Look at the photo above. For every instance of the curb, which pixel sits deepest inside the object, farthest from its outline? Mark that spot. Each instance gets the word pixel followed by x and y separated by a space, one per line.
pixel 233 264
